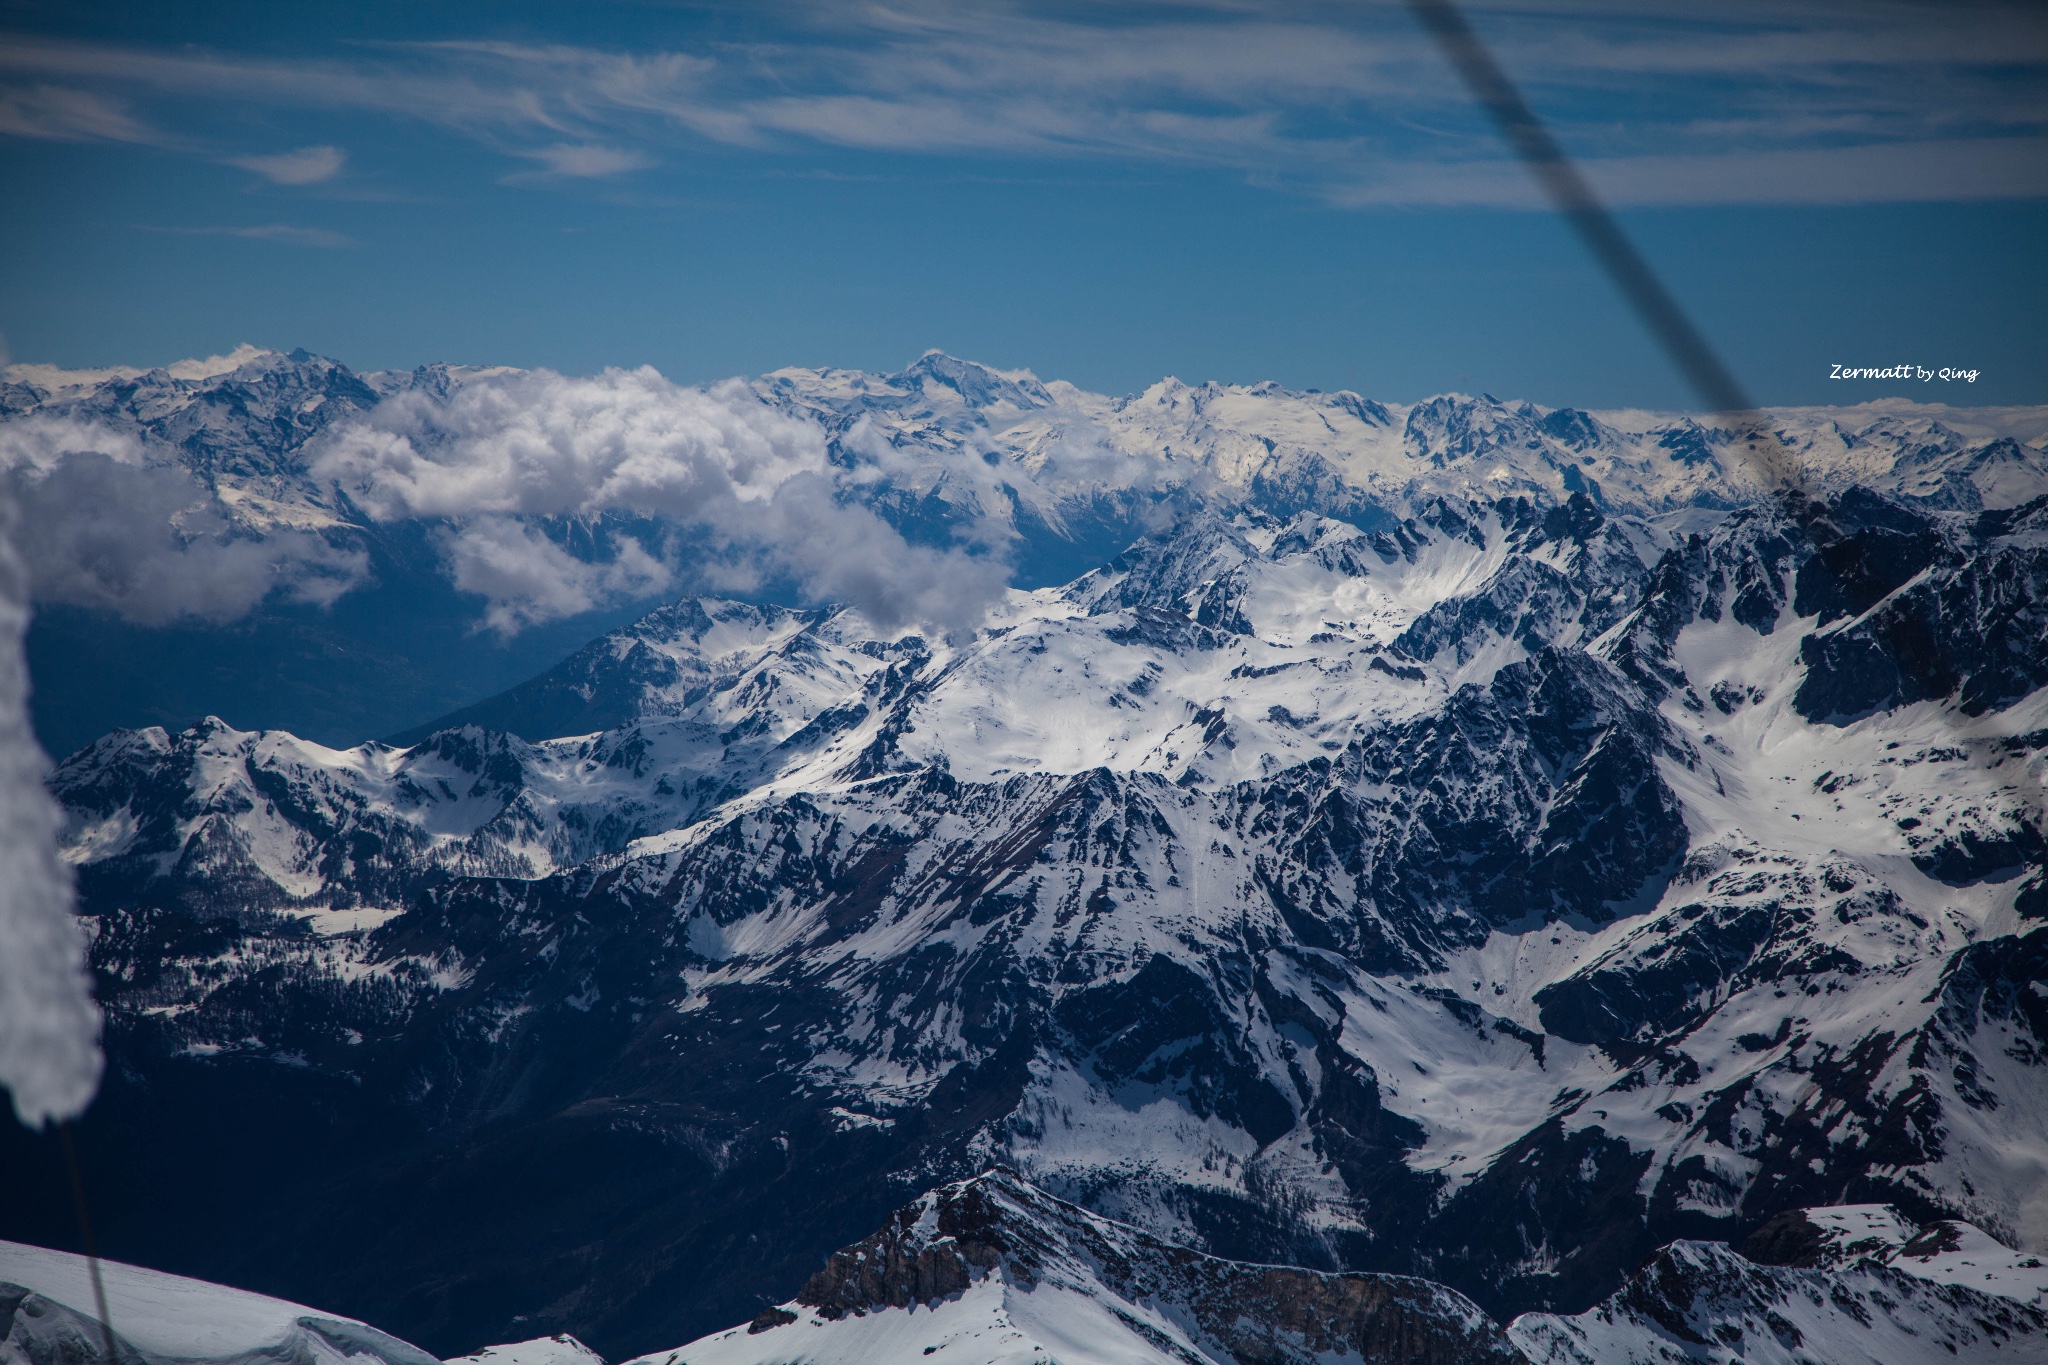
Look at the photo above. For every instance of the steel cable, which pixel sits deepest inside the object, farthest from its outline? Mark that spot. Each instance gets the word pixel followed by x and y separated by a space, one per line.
pixel 92 1259
pixel 1572 195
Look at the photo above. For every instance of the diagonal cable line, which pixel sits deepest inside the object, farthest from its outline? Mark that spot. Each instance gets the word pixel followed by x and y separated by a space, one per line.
pixel 1630 272
pixel 1660 312
pixel 92 1258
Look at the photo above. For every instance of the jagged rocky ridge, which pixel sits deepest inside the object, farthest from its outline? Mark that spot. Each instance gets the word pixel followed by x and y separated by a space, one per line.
pixel 1493 896
pixel 993 1271
pixel 1345 455
pixel 1842 1284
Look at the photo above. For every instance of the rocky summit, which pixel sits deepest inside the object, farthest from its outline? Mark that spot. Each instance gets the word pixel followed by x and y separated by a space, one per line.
pixel 1526 884
pixel 991 1269
pixel 994 1272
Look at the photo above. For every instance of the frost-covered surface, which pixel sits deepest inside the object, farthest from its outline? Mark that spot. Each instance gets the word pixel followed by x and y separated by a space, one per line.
pixel 1952 1252
pixel 165 1318
pixel 1492 889
pixel 49 1027
pixel 996 1272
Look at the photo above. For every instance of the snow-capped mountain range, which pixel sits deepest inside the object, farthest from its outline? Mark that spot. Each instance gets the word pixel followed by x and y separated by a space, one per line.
pixel 1291 450
pixel 1382 865
pixel 1039 456
pixel 993 1271
pixel 420 504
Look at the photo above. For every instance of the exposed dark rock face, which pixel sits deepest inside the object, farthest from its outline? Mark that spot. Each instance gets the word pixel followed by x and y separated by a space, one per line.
pixel 1805 1288
pixel 1938 610
pixel 1789 1238
pixel 937 1246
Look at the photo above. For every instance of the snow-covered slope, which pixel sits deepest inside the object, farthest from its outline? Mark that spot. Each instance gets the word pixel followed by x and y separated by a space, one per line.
pixel 1845 1285
pixel 993 1271
pixel 555 1350
pixel 1945 1251
pixel 1699 1301
pixel 1492 892
pixel 49 1312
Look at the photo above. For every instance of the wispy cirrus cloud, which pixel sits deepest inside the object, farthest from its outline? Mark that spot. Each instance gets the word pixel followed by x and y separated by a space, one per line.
pixel 1893 172
pixel 68 114
pixel 1761 102
pixel 587 161
pixel 306 166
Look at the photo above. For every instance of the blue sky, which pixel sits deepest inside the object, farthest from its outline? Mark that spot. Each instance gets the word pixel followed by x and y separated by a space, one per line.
pixel 1103 193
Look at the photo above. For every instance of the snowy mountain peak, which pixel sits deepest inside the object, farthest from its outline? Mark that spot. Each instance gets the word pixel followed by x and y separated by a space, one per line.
pixel 55 379
pixel 980 387
pixel 993 1269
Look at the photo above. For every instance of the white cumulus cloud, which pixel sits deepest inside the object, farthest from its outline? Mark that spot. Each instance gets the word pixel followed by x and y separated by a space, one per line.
pixel 525 578
pixel 752 488
pixel 99 528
